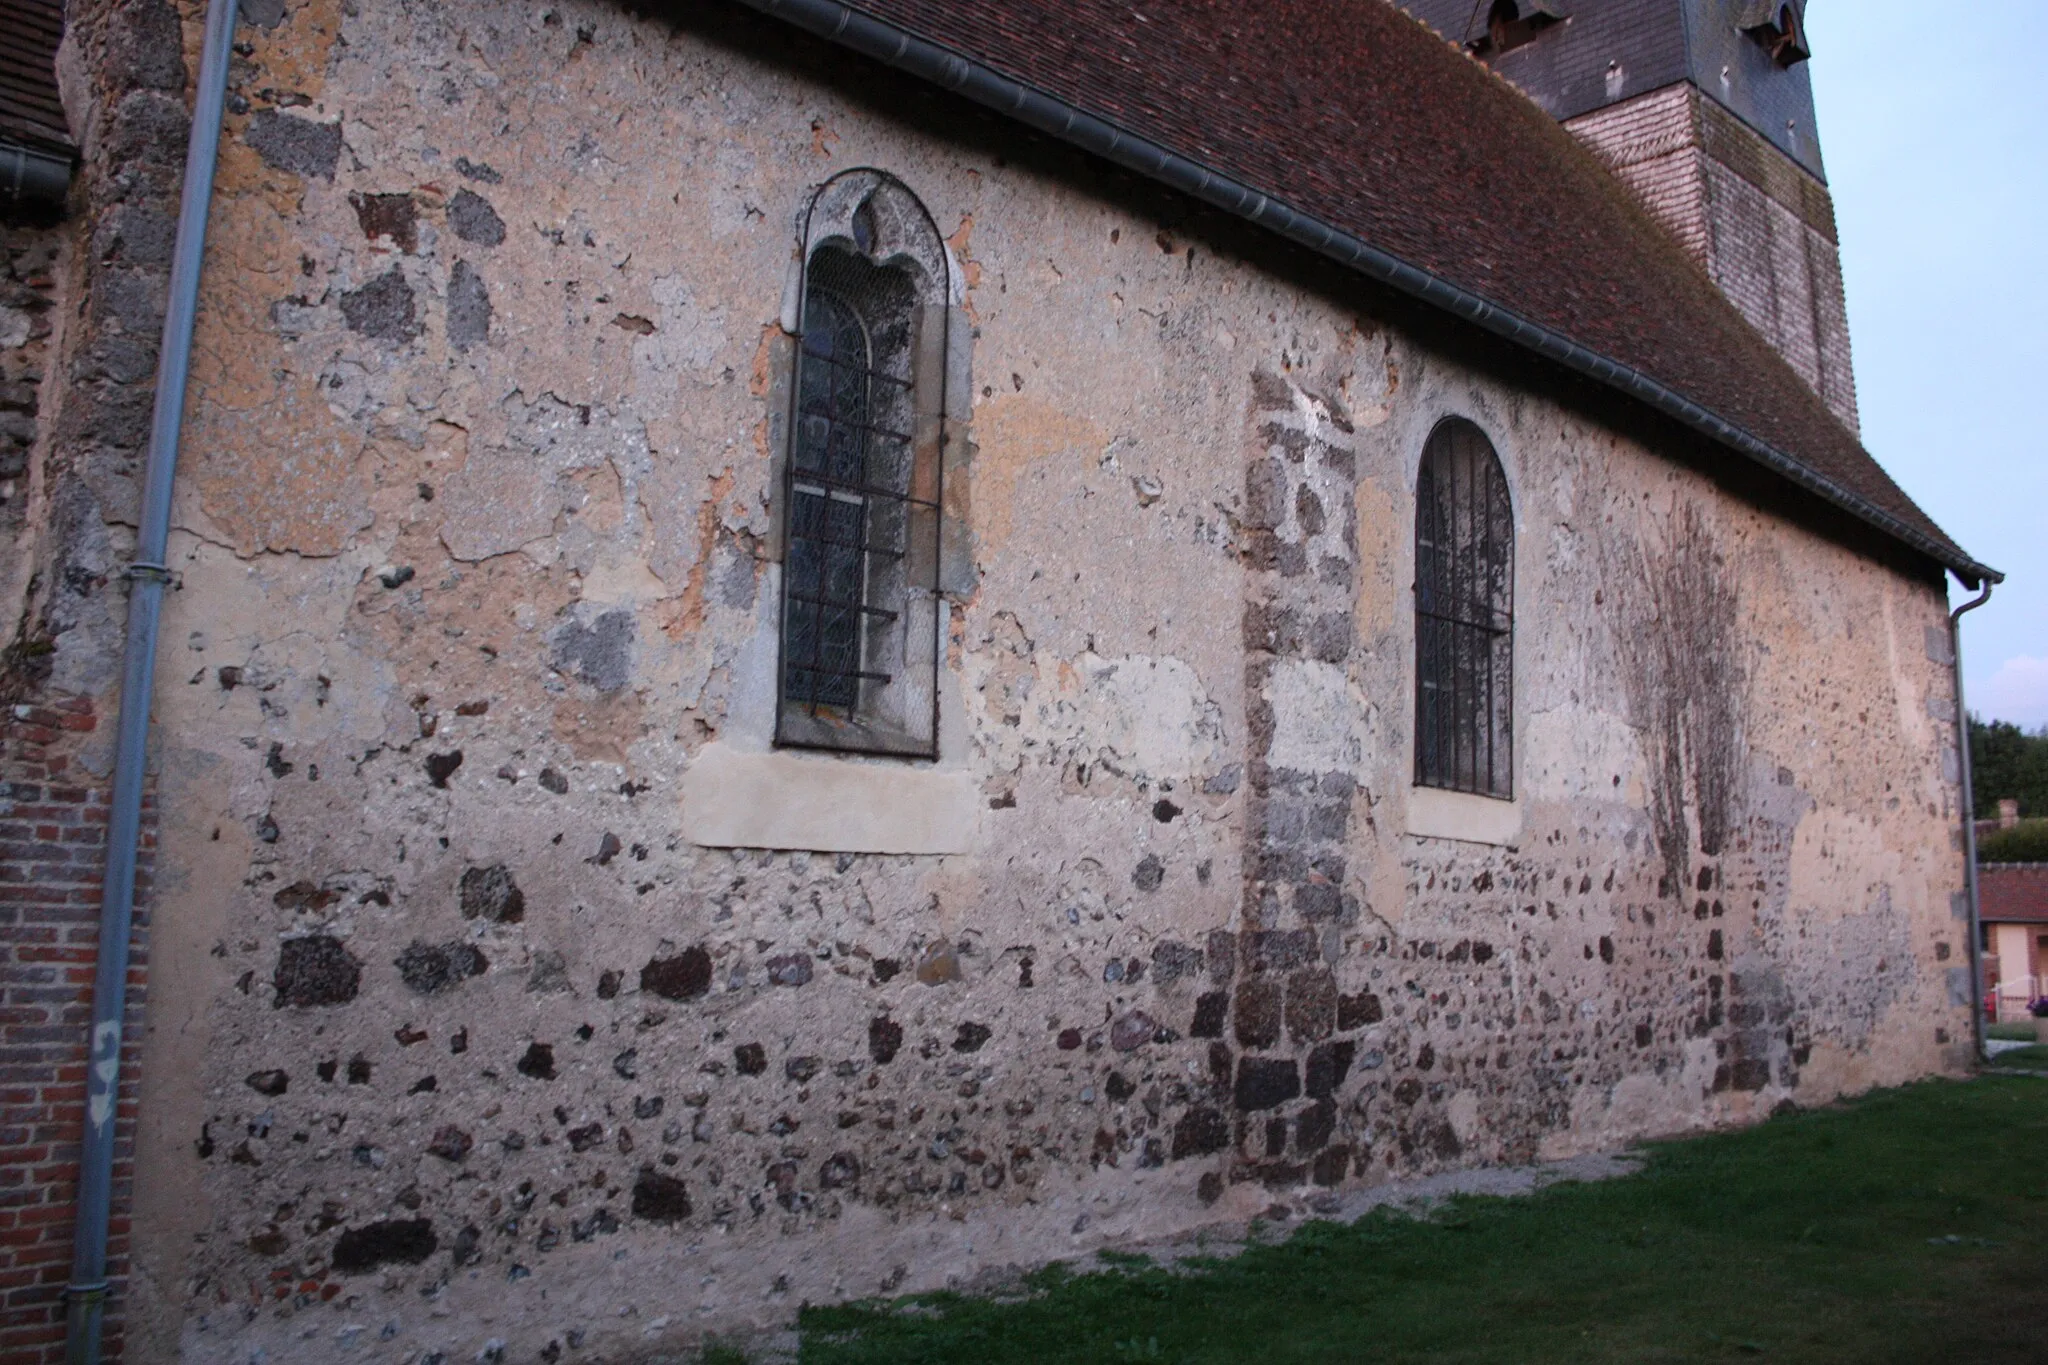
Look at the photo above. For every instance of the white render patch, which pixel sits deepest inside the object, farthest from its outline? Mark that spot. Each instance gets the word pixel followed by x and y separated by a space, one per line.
pixel 826 803
pixel 1320 720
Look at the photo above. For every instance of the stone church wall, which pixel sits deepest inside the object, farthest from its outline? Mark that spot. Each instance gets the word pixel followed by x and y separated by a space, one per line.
pixel 456 1043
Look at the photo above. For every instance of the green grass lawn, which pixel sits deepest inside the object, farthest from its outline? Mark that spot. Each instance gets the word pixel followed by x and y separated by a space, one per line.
pixel 1910 1226
pixel 2012 1033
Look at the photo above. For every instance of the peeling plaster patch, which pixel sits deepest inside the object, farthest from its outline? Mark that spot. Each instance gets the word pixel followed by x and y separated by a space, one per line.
pixel 297 145
pixel 283 474
pixel 510 490
pixel 1140 715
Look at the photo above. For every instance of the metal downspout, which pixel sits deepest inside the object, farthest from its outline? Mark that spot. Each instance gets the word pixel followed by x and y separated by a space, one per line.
pixel 1955 632
pixel 87 1293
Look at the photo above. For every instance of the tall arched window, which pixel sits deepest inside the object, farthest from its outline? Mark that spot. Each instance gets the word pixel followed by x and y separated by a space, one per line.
pixel 1464 615
pixel 861 477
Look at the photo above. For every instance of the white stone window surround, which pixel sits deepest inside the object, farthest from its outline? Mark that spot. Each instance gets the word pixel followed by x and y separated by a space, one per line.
pixel 1434 812
pixel 741 791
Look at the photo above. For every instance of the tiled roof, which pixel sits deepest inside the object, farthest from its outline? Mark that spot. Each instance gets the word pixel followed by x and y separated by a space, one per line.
pixel 30 114
pixel 2012 893
pixel 1360 118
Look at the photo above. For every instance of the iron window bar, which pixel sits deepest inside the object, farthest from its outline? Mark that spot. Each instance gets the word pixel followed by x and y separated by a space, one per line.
pixel 844 604
pixel 837 363
pixel 866 490
pixel 838 487
pixel 1464 594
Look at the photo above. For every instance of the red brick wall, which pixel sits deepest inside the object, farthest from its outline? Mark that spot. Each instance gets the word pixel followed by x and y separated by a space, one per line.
pixel 53 824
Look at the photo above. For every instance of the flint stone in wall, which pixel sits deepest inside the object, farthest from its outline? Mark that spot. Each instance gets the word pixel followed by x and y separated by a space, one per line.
pixel 1311 1005
pixel 1210 1011
pixel 938 963
pixel 1132 1031
pixel 1264 1082
pixel 271 1083
pixel 315 970
pixel 1356 1011
pixel 297 145
pixel 659 1198
pixel 600 653
pixel 404 1242
pixel 686 976
pixel 1314 1128
pixel 429 968
pixel 474 220
pixel 491 893
pixel 1328 1065
pixel 1279 950
pixel 790 969
pixel 885 1039
pixel 469 308
pixel 146 46
pixel 1200 1132
pixel 450 1143
pixel 384 309
pixel 1258 1012
pixel 149 129
pixel 1171 961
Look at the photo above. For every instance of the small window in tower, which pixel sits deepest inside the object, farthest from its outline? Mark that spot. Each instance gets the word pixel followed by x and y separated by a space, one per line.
pixel 1511 23
pixel 1780 27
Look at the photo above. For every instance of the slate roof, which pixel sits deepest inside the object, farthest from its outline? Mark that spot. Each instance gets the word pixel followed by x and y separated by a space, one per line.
pixel 2012 893
pixel 1356 115
pixel 30 114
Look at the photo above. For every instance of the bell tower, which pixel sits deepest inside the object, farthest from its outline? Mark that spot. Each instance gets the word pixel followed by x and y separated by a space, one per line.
pixel 1703 108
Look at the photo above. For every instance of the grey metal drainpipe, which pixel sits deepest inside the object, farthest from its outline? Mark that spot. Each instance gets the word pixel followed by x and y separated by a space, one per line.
pixel 1955 631
pixel 87 1293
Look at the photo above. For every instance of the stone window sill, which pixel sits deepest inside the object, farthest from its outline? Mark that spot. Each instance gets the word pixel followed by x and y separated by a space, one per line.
pixel 1437 814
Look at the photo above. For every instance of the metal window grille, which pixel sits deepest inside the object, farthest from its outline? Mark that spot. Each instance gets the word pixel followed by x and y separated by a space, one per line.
pixel 1464 616
pixel 860 610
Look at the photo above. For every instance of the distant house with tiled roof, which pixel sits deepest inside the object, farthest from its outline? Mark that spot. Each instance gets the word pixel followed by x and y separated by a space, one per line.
pixel 2013 908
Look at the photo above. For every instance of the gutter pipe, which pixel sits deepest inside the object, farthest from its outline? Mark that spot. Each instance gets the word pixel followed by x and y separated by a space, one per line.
pixel 1955 630
pixel 32 180
pixel 87 1292
pixel 896 47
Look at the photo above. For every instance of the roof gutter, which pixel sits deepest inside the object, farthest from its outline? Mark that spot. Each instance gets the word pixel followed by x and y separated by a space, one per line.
pixel 898 48
pixel 33 180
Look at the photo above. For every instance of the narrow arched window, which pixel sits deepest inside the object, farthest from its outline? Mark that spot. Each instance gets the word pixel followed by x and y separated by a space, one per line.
pixel 861 475
pixel 1464 615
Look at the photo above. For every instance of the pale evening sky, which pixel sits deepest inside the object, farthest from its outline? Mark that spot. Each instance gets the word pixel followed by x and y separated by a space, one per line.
pixel 1934 128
